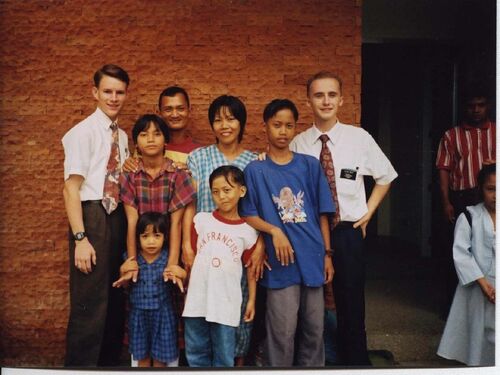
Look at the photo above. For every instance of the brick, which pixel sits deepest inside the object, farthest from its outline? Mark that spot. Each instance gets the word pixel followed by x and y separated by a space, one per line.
pixel 255 49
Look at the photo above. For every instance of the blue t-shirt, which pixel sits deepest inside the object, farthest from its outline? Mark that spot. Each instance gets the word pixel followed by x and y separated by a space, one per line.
pixel 291 197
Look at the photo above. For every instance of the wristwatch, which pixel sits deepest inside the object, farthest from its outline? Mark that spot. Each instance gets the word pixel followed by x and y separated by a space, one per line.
pixel 79 236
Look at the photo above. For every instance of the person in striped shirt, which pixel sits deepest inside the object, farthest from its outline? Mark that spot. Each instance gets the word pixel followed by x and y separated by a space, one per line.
pixel 463 151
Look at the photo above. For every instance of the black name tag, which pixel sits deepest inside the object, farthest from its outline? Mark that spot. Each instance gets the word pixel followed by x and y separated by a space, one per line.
pixel 349 174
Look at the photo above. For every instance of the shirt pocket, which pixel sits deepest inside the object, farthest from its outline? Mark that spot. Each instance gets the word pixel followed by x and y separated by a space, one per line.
pixel 346 186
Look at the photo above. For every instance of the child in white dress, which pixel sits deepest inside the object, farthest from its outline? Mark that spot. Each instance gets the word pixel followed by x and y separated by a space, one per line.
pixel 469 334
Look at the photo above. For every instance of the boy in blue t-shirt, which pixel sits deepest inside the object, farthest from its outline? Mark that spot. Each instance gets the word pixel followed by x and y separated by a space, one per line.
pixel 289 200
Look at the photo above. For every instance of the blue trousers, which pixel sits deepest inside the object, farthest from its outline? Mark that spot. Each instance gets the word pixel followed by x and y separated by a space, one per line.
pixel 209 344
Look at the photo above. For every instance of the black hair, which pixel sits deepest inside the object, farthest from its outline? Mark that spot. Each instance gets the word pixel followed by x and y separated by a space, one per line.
pixel 112 71
pixel 228 172
pixel 277 105
pixel 172 91
pixel 143 122
pixel 483 174
pixel 156 219
pixel 323 74
pixel 235 107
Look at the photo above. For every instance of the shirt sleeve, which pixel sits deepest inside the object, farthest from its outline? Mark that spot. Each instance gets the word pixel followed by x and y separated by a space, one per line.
pixel 192 164
pixel 444 159
pixel 128 193
pixel 249 203
pixel 467 268
pixel 377 164
pixel 77 153
pixel 183 192
pixel 326 203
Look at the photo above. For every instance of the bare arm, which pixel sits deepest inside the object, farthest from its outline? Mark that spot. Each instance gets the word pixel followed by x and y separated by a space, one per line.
pixel 376 197
pixel 85 254
pixel 252 294
pixel 174 245
pixel 444 186
pixel 187 222
pixel 325 233
pixel 282 246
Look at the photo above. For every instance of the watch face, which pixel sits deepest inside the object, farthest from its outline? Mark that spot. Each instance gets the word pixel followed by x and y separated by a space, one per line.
pixel 79 236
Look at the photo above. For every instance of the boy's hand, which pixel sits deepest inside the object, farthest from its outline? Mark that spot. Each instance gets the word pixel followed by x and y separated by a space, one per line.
pixel 85 256
pixel 123 281
pixel 262 156
pixel 258 260
pixel 249 312
pixel 329 271
pixel 182 166
pixel 130 266
pixel 130 165
pixel 176 274
pixel 283 248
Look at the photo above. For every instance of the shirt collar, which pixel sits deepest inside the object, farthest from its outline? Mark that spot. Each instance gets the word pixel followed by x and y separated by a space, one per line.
pixel 467 126
pixel 333 133
pixel 162 258
pixel 103 119
pixel 167 166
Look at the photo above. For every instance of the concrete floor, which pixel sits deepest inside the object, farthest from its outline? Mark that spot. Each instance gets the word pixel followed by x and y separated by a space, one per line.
pixel 403 294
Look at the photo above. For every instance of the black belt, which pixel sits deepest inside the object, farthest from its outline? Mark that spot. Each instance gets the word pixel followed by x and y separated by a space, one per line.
pixel 344 224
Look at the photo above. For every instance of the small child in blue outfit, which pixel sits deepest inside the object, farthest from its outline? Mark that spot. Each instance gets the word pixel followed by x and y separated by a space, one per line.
pixel 152 320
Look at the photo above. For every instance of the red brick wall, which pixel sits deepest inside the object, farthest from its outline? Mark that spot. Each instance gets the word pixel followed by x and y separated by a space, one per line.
pixel 49 50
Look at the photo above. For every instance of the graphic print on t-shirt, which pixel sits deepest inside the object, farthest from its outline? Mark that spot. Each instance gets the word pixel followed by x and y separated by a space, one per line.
pixel 290 207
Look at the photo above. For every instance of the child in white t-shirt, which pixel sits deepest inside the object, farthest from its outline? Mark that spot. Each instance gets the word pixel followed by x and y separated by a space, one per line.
pixel 213 303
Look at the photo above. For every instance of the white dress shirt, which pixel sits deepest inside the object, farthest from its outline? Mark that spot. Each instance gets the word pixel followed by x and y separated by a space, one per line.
pixel 87 147
pixel 352 149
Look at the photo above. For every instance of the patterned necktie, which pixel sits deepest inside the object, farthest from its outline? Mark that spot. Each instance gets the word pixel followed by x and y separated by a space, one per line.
pixel 111 192
pixel 326 160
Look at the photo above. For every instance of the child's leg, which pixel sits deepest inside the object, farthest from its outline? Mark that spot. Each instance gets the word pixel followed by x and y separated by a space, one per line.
pixel 281 323
pixel 223 339
pixel 310 348
pixel 244 330
pixel 198 345
pixel 145 362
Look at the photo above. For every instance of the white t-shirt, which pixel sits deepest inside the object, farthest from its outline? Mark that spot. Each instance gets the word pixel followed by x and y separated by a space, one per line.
pixel 214 290
pixel 354 153
pixel 87 147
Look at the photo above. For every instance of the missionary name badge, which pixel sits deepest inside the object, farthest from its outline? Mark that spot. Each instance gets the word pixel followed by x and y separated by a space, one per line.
pixel 349 174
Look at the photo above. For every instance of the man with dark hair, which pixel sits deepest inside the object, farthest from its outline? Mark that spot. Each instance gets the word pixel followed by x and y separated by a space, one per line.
pixel 463 150
pixel 94 151
pixel 347 154
pixel 174 108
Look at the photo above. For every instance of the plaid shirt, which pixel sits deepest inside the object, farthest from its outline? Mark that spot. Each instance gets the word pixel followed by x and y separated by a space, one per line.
pixel 202 162
pixel 150 291
pixel 170 190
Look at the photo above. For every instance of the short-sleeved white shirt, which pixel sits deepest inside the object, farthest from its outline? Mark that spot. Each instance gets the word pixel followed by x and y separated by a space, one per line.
pixel 353 149
pixel 87 147
pixel 214 290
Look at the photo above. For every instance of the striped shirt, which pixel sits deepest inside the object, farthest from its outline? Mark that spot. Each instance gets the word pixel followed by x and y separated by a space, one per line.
pixel 462 151
pixel 170 190
pixel 202 162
